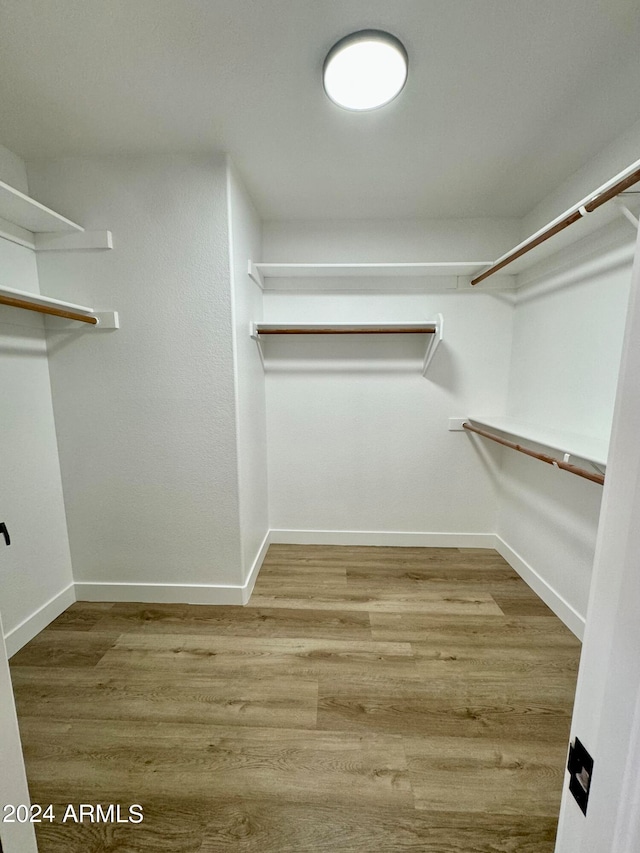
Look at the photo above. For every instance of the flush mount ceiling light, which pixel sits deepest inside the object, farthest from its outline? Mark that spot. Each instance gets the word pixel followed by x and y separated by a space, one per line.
pixel 365 70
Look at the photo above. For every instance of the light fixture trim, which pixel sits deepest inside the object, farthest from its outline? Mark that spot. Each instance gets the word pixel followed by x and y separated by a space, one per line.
pixel 377 38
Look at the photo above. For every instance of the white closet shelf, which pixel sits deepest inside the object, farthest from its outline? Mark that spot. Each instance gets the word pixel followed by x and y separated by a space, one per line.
pixel 261 271
pixel 26 212
pixel 29 223
pixel 343 329
pixel 35 301
pixel 432 329
pixel 584 447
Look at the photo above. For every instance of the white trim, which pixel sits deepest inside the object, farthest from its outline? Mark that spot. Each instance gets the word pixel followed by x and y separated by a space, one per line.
pixel 56 241
pixel 587 447
pixel 14 837
pixel 313 270
pixel 159 593
pixel 40 299
pixel 174 593
pixel 32 215
pixel 19 636
pixel 12 232
pixel 255 274
pixel 250 582
pixel 390 538
pixel 569 615
pixel 627 826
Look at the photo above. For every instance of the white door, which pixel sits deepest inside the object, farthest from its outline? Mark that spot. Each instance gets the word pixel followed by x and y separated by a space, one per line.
pixel 16 836
pixel 606 715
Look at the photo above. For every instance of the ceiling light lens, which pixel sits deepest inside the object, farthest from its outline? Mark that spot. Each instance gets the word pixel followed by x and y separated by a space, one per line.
pixel 365 70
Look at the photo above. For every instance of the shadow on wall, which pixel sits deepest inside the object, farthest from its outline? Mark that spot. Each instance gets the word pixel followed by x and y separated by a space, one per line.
pixel 613 251
pixel 552 500
pixel 490 456
pixel 443 370
pixel 360 354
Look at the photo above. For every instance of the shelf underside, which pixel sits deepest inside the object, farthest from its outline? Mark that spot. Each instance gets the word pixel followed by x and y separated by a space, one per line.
pixel 345 329
pixel 585 447
pixel 269 270
pixel 27 213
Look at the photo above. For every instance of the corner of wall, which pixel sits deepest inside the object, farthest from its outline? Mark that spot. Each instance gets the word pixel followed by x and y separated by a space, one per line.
pixel 245 241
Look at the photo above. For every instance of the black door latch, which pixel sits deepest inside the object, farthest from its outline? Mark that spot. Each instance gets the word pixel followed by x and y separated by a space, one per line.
pixel 5 533
pixel 580 766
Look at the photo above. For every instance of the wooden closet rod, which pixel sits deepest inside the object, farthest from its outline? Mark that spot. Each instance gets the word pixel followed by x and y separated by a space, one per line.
pixel 550 460
pixel 555 228
pixel 344 330
pixel 47 309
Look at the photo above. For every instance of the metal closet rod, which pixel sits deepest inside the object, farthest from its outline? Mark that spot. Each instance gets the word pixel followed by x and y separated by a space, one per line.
pixel 47 309
pixel 543 457
pixel 589 206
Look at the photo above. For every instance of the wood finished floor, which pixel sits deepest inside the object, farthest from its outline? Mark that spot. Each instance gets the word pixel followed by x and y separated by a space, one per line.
pixel 367 699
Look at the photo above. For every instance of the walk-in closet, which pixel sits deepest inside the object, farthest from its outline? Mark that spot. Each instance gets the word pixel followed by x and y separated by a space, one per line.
pixel 319 427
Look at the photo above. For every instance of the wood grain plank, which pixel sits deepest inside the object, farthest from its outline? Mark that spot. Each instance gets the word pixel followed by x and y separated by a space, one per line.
pixel 64 647
pixel 107 694
pixel 255 827
pixel 427 602
pixel 81 616
pixel 449 707
pixel 168 827
pixel 542 632
pixel 489 657
pixel 247 621
pixel 521 604
pixel 491 776
pixel 257 657
pixel 366 699
pixel 135 758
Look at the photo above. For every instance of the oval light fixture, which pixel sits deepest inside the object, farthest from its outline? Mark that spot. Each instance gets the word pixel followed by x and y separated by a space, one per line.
pixel 365 70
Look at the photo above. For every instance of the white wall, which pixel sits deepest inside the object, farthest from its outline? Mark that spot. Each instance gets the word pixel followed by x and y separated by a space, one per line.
pixel 567 338
pixel 358 439
pixel 146 415
pixel 388 240
pixel 611 160
pixel 245 241
pixel 35 571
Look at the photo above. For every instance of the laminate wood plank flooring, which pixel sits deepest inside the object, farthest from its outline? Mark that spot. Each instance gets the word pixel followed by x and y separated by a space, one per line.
pixel 366 699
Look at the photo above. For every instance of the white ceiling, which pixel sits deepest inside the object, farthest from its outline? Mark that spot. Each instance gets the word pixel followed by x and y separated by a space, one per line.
pixel 505 98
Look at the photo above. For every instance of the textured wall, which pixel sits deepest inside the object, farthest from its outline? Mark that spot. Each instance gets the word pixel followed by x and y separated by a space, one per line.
pixel 146 415
pixel 359 440
pixel 37 565
pixel 568 328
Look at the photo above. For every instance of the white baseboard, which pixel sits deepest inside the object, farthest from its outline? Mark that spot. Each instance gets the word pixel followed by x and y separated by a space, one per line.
pixel 159 593
pixel 19 636
pixel 250 582
pixel 173 593
pixel 572 619
pixel 390 538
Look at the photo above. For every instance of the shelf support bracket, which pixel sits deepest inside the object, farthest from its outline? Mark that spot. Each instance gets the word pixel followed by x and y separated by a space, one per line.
pixel 255 275
pixel 253 331
pixel 433 343
pixel 624 210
